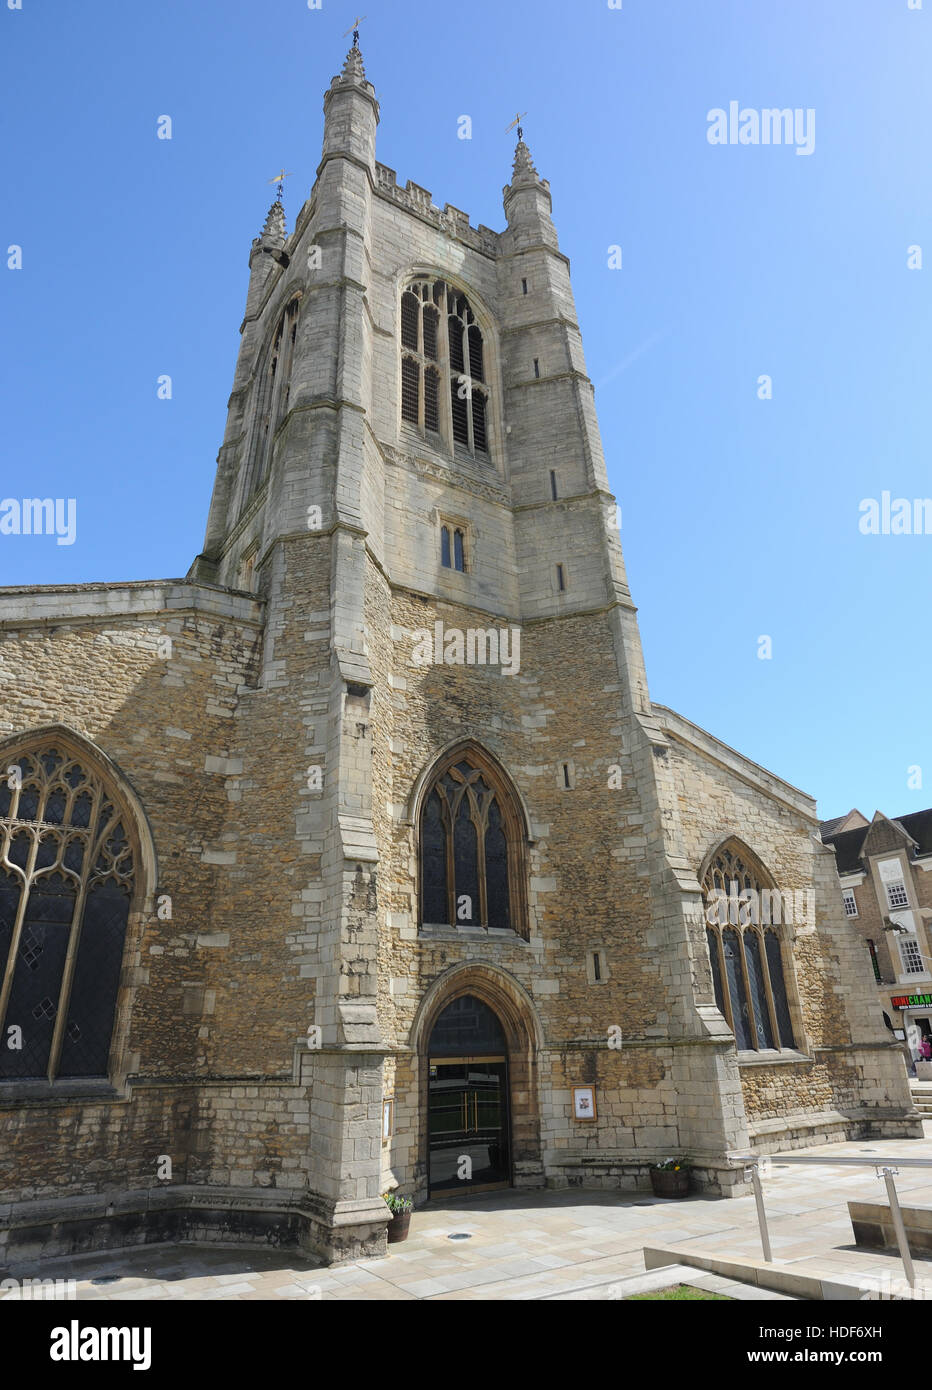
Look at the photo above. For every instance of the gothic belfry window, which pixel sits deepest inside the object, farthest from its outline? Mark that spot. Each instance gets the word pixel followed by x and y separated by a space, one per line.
pixel 67 873
pixel 472 847
pixel 272 397
pixel 743 933
pixel 444 394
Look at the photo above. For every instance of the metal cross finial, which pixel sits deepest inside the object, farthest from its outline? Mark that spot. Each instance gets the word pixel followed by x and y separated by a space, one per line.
pixel 517 122
pixel 354 29
pixel 280 180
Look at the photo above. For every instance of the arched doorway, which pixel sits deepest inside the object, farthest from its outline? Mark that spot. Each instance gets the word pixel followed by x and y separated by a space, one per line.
pixel 469 1121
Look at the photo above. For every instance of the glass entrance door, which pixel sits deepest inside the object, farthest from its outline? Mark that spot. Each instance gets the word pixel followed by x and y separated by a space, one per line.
pixel 468 1123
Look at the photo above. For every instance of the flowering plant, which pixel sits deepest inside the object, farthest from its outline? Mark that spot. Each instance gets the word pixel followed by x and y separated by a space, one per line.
pixel 397 1205
pixel 670 1165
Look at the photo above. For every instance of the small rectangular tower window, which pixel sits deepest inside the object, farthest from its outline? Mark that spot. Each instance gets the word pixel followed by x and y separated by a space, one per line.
pixel 453 547
pixel 561 580
pixel 537 366
pixel 524 286
pixel 553 484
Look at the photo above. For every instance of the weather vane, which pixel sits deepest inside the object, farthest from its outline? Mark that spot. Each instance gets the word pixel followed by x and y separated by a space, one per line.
pixel 354 29
pixel 517 122
pixel 280 180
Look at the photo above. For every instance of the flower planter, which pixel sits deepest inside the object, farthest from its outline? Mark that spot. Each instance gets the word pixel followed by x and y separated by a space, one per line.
pixel 670 1182
pixel 398 1227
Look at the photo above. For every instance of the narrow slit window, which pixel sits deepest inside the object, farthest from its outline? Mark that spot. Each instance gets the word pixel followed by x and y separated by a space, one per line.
pixel 445 558
pixel 524 286
pixel 459 553
pixel 537 366
pixel 553 484
pixel 561 579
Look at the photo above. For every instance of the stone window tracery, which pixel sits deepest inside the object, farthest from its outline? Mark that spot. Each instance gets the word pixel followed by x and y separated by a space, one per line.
pixel 67 874
pixel 273 393
pixel 471 848
pixel 746 952
pixel 443 387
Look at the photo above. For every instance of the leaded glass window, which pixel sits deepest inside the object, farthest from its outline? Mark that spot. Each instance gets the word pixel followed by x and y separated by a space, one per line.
pixel 472 849
pixel 745 952
pixel 66 880
pixel 443 373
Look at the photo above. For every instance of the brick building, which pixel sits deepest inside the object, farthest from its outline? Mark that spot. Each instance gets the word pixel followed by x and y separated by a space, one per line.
pixel 360 857
pixel 882 867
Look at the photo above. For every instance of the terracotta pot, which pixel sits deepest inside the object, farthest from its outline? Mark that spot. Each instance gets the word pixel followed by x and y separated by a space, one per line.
pixel 670 1182
pixel 398 1226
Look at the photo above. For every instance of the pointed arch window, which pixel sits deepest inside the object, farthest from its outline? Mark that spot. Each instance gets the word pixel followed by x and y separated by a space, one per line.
pixel 472 848
pixel 273 394
pixel 444 394
pixel 67 874
pixel 746 953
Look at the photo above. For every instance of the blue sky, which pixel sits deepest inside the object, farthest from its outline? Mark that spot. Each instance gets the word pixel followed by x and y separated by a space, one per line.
pixel 740 516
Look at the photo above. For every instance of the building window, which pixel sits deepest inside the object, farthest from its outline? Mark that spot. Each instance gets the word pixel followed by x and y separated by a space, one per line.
pixel 453 548
pixel 911 956
pixel 872 949
pixel 472 845
pixel 897 895
pixel 273 392
pixel 851 906
pixel 66 880
pixel 443 377
pixel 553 484
pixel 561 579
pixel 746 955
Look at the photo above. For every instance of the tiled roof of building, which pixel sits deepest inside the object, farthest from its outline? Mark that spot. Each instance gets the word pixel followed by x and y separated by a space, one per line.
pixel 847 847
pixel 848 844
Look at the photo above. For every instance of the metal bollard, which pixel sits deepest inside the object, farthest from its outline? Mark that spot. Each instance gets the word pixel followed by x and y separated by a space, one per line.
pixel 752 1172
pixel 901 1240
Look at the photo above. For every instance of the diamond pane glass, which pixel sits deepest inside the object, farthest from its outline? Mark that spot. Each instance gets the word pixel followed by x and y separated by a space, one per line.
pixel 67 838
pixel 467 1028
pixel 740 1012
pixel 434 860
pixel 466 867
pixel 496 870
pixel 778 986
pixel 752 954
pixel 86 1046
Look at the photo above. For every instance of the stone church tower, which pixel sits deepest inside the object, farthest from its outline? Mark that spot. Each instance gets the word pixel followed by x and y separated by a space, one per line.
pixel 415 878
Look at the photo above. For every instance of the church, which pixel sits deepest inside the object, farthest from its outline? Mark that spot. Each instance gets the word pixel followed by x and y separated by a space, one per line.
pixel 360 858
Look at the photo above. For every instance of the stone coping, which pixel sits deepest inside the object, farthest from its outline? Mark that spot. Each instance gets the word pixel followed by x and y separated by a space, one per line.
pixel 776 1275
